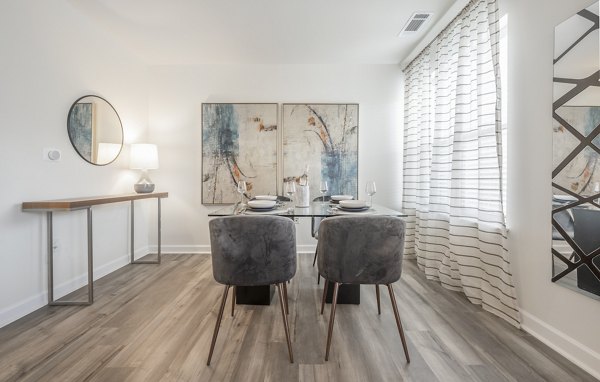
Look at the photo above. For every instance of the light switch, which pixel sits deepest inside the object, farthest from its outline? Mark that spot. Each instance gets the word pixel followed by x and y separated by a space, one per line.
pixel 51 154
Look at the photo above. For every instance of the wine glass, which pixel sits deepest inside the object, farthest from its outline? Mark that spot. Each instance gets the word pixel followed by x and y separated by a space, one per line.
pixel 371 189
pixel 323 187
pixel 290 189
pixel 242 188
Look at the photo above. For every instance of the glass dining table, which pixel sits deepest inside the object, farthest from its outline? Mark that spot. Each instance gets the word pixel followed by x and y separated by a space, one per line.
pixel 262 295
pixel 315 210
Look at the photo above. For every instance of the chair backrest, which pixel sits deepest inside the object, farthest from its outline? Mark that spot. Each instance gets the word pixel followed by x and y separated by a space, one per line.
pixel 361 249
pixel 253 250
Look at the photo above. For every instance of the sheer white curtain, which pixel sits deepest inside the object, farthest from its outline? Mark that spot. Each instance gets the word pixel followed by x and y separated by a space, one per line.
pixel 453 162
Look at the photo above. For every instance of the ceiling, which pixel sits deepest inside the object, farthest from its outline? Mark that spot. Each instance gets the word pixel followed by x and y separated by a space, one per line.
pixel 189 32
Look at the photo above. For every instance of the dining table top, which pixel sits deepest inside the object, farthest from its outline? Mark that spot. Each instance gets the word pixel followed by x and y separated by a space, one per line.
pixel 316 209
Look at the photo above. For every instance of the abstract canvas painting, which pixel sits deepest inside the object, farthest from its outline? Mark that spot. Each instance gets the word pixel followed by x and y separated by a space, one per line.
pixel 323 137
pixel 239 142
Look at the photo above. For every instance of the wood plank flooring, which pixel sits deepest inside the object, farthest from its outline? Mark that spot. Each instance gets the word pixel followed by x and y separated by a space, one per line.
pixel 154 323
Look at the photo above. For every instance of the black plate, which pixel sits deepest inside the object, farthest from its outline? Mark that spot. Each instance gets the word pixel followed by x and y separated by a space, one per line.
pixel 347 209
pixel 262 209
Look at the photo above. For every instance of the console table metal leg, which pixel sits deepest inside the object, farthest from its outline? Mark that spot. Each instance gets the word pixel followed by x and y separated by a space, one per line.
pixel 50 257
pixel 133 260
pixel 159 230
pixel 132 232
pixel 90 250
pixel 90 257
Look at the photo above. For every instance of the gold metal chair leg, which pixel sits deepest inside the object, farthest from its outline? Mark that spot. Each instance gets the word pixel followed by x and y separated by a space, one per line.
pixel 217 324
pixel 325 283
pixel 378 299
pixel 398 322
pixel 285 297
pixel 331 319
pixel 285 322
pixel 233 301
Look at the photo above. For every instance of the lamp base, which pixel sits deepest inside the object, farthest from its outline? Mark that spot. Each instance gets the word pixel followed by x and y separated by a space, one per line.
pixel 143 188
pixel 144 185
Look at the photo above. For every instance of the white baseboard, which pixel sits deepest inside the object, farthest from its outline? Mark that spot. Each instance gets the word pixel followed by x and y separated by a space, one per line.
pixel 574 351
pixel 306 248
pixel 172 248
pixel 21 309
pixel 301 248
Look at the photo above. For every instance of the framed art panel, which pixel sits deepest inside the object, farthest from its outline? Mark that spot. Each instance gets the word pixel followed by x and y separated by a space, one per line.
pixel 324 137
pixel 239 142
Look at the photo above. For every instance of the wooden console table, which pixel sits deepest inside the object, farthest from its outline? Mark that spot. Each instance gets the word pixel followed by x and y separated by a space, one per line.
pixel 50 206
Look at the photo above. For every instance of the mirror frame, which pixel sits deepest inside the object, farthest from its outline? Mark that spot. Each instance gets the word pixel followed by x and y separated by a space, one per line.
pixel 71 138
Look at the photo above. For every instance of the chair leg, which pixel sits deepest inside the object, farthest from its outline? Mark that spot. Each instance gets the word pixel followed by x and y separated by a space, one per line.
pixel 325 283
pixel 331 319
pixel 217 324
pixel 378 299
pixel 285 322
pixel 318 278
pixel 398 322
pixel 315 259
pixel 233 301
pixel 285 298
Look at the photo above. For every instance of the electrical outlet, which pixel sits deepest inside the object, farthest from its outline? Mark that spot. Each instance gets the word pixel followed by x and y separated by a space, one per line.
pixel 51 154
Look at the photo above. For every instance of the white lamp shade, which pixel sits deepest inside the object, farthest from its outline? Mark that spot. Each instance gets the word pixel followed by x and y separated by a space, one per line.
pixel 143 156
pixel 107 152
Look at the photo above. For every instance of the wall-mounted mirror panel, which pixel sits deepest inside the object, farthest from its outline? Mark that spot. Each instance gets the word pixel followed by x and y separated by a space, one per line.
pixel 576 153
pixel 95 130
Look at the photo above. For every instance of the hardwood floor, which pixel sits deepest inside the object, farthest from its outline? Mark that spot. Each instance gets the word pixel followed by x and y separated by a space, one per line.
pixel 152 323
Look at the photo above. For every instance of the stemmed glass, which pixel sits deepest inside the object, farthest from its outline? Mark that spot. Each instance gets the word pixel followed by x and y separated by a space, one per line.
pixel 242 188
pixel 290 189
pixel 371 189
pixel 323 187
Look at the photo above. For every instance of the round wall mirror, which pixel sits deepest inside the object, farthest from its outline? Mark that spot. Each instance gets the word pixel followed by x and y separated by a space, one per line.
pixel 95 130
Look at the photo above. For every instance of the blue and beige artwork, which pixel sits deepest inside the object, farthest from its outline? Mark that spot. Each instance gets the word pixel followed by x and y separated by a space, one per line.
pixel 324 137
pixel 81 130
pixel 239 142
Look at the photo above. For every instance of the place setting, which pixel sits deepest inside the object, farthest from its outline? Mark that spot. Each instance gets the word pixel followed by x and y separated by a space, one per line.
pixel 264 205
pixel 346 204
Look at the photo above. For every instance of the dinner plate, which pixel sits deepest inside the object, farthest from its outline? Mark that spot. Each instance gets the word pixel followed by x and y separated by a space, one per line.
pixel 266 197
pixel 337 198
pixel 353 203
pixel 262 204
pixel 271 211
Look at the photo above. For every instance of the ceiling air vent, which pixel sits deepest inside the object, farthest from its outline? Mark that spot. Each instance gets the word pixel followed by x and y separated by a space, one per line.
pixel 415 23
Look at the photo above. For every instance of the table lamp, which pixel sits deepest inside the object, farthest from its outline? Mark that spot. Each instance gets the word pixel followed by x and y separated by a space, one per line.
pixel 144 156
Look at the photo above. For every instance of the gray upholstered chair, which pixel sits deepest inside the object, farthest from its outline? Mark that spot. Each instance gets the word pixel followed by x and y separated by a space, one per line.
pixel 253 251
pixel 361 250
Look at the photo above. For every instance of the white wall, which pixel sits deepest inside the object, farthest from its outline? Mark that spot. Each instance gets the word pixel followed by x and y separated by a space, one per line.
pixel 51 57
pixel 176 95
pixel 566 320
